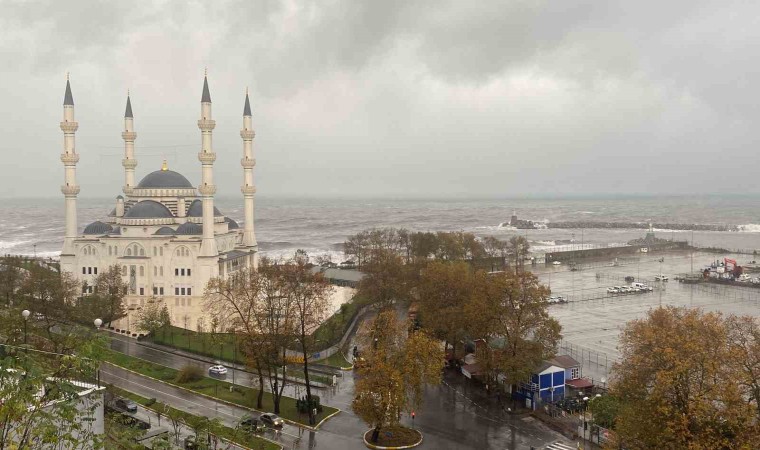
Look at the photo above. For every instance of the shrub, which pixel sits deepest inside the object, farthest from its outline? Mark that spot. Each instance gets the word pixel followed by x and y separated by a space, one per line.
pixel 189 373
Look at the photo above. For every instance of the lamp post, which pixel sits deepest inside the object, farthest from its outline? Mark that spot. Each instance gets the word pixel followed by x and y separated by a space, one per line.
pixel 98 323
pixel 585 407
pixel 25 314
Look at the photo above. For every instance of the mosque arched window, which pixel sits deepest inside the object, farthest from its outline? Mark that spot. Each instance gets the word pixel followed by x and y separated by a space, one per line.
pixel 129 251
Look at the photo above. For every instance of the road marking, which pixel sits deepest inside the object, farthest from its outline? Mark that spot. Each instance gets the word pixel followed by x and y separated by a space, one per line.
pixel 559 446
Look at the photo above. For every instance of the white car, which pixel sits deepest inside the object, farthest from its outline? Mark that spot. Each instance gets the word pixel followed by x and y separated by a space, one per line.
pixel 217 370
pixel 613 290
pixel 557 263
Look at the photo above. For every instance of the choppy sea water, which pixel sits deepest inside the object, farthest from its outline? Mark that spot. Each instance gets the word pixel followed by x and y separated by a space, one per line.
pixel 321 225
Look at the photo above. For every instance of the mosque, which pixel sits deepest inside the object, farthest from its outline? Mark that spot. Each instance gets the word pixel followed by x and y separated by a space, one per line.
pixel 164 233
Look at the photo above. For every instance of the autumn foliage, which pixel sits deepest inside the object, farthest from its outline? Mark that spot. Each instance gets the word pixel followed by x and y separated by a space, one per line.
pixel 688 379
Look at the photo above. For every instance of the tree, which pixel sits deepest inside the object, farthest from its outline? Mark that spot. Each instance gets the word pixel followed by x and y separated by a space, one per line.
pixel 11 277
pixel 386 278
pixel 398 368
pixel 444 292
pixel 604 410
pixel 309 294
pixel 175 419
pixel 677 384
pixel 107 299
pixel 518 248
pixel 153 317
pixel 514 312
pixel 744 346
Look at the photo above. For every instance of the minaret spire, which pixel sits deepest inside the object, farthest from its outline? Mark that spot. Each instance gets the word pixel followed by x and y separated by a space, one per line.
pixel 70 188
pixel 129 162
pixel 248 189
pixel 207 188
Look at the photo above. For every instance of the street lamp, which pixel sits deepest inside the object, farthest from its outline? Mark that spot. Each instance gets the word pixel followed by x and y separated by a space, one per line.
pixel 585 407
pixel 25 314
pixel 98 323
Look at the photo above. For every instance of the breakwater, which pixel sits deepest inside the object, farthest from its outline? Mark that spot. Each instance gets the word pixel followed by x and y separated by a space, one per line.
pixel 643 225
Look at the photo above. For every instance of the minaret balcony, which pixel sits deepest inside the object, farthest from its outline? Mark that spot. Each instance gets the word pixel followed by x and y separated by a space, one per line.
pixel 129 135
pixel 69 127
pixel 206 124
pixel 248 190
pixel 207 157
pixel 207 190
pixel 247 134
pixel 248 163
pixel 70 190
pixel 129 163
pixel 69 159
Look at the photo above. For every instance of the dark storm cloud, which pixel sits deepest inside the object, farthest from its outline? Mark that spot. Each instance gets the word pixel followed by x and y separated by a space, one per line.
pixel 393 97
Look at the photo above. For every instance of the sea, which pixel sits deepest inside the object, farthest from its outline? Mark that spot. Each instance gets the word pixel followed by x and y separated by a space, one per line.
pixel 320 226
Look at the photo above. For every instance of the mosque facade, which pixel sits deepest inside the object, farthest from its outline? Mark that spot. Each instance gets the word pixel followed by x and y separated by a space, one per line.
pixel 164 233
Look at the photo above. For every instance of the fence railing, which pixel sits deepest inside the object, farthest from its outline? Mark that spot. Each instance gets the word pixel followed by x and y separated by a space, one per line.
pixel 600 363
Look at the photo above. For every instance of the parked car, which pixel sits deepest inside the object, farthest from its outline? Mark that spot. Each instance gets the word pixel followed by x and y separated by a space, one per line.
pixel 217 370
pixel 252 425
pixel 273 420
pixel 613 290
pixel 557 263
pixel 126 404
pixel 561 299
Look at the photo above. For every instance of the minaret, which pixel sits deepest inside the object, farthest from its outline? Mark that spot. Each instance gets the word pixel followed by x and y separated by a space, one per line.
pixel 207 187
pixel 248 189
pixel 70 189
pixel 129 162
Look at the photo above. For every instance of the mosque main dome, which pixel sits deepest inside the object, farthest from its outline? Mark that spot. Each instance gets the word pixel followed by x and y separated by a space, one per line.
pixel 164 179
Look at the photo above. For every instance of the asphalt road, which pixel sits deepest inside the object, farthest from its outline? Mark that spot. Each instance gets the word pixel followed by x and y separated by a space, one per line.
pixel 453 416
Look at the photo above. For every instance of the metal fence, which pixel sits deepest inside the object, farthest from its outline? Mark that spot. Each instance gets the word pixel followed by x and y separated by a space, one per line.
pixel 729 293
pixel 599 363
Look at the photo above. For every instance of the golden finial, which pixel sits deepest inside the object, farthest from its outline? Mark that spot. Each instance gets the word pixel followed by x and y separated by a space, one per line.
pixel 164 168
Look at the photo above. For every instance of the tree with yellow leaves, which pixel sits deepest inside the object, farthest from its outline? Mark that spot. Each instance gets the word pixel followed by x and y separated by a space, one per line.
pixel 398 367
pixel 679 384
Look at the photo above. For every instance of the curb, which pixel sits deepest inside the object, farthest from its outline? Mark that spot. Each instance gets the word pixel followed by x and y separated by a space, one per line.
pixel 226 402
pixel 380 447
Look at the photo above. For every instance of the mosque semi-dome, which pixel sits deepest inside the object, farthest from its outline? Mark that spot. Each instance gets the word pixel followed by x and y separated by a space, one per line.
pixel 190 228
pixel 196 209
pixel 148 209
pixel 98 227
pixel 231 224
pixel 164 179
pixel 165 231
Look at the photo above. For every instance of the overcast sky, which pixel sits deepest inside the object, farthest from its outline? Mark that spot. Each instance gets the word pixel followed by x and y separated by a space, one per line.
pixel 401 98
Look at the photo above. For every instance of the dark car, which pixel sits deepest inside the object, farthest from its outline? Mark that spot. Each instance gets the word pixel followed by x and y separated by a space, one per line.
pixel 126 404
pixel 252 425
pixel 273 420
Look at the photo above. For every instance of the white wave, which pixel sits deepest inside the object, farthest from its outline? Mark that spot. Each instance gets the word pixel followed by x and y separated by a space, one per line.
pixel 54 255
pixel 749 228
pixel 665 230
pixel 548 243
pixel 11 244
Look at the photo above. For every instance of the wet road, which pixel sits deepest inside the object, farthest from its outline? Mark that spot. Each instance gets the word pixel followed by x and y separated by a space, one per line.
pixel 452 417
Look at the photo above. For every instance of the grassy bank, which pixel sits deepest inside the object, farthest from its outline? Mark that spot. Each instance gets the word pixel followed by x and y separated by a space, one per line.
pixel 239 437
pixel 333 329
pixel 336 360
pixel 239 395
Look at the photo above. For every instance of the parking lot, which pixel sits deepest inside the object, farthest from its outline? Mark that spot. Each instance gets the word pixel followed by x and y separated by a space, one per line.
pixel 592 318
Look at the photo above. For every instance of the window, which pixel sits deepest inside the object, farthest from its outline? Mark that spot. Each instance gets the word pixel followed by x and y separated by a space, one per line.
pixel 182 291
pixel 124 271
pixel 142 291
pixel 161 291
pixel 109 250
pixel 155 251
pixel 142 252
pixel 182 272
pixel 89 271
pixel 84 270
pixel 129 252
pixel 574 373
pixel 161 251
pixel 155 271
pixel 155 290
pixel 95 270
pixel 189 291
pixel 142 271
pixel 161 270
pixel 176 291
pixel 176 272
pixel 188 272
pixel 176 302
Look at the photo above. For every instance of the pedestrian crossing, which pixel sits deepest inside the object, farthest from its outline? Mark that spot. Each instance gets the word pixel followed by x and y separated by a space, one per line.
pixel 559 446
